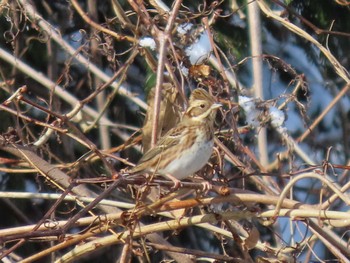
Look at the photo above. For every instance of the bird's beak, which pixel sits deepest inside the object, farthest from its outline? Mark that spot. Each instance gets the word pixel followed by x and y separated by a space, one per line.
pixel 216 106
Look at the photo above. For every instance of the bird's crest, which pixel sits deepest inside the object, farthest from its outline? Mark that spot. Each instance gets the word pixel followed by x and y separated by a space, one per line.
pixel 201 94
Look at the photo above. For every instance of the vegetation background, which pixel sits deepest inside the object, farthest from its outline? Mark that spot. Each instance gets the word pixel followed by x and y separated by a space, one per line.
pixel 74 78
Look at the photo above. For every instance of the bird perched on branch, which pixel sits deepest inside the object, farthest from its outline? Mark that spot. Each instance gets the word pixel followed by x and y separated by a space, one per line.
pixel 187 147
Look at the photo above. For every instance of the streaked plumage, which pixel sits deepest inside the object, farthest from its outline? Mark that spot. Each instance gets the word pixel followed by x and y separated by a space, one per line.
pixel 187 147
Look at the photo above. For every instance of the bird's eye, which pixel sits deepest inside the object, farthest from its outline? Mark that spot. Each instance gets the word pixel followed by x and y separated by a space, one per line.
pixel 202 106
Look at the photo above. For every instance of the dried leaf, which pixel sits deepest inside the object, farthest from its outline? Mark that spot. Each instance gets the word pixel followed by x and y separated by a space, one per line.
pixel 252 239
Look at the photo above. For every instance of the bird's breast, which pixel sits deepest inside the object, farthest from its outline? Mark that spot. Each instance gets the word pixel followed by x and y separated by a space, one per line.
pixel 192 158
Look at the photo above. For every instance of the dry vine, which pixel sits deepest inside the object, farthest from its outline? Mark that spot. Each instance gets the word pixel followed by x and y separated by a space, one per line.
pixel 75 77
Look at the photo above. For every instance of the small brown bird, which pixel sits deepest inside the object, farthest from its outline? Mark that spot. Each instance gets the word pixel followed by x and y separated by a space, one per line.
pixel 187 147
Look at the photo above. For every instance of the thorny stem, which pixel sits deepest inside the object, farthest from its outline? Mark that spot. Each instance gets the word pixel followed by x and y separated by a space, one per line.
pixel 98 27
pixel 163 38
pixel 309 175
pixel 324 112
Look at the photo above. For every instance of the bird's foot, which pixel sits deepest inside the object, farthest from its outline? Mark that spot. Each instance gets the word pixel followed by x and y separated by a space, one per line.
pixel 177 182
pixel 207 186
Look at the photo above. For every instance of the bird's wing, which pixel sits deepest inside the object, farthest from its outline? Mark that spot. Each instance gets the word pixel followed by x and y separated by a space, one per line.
pixel 171 138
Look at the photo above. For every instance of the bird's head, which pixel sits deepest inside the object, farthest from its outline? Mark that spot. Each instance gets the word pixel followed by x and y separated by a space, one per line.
pixel 202 107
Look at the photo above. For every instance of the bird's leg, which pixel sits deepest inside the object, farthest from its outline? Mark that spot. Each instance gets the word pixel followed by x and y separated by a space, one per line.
pixel 177 182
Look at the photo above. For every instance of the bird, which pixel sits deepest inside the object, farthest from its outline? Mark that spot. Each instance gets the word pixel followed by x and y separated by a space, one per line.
pixel 187 147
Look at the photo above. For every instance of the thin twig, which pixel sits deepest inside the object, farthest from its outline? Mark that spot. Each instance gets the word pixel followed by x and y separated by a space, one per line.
pixel 163 39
